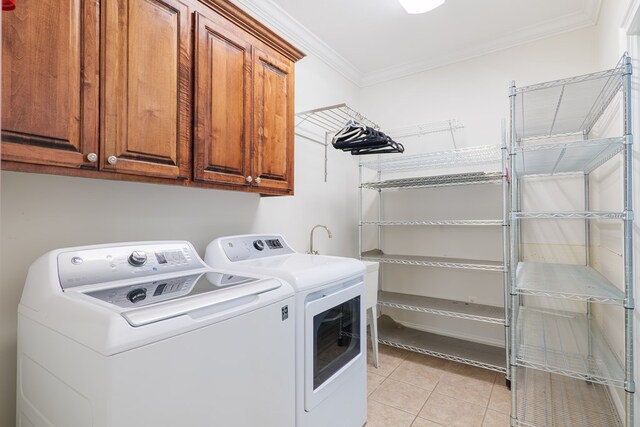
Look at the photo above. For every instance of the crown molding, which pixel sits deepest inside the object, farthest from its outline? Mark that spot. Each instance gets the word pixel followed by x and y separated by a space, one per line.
pixel 631 22
pixel 553 27
pixel 287 26
pixel 284 24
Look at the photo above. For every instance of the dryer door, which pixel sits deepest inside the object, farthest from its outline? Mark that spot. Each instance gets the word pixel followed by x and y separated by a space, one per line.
pixel 334 334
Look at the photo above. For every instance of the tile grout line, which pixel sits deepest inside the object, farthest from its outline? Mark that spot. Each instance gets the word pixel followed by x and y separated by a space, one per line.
pixel 406 357
pixel 400 409
pixel 393 407
pixel 386 378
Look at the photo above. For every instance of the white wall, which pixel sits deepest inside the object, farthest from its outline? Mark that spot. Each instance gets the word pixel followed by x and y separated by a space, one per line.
pixel 43 212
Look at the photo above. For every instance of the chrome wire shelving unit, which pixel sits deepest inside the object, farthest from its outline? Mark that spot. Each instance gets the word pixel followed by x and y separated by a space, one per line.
pixel 438 222
pixel 575 282
pixel 424 261
pixel 418 173
pixel 566 343
pixel 563 368
pixel 443 307
pixel 479 155
pixel 471 353
pixel 435 181
pixel 555 400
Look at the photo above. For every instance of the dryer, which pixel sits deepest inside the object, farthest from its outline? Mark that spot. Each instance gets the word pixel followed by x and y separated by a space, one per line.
pixel 330 344
pixel 146 335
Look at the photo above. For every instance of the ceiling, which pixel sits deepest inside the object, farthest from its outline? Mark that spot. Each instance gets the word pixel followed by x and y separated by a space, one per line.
pixel 370 41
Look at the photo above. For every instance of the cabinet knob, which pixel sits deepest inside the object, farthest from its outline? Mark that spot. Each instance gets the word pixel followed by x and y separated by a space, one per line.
pixel 258 179
pixel 249 179
pixel 112 160
pixel 92 157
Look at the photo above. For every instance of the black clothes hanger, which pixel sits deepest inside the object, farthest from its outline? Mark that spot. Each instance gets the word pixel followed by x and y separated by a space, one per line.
pixel 360 139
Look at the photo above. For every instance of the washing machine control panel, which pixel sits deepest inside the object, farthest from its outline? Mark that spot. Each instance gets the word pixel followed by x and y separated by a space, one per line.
pixel 152 292
pixel 145 293
pixel 107 264
pixel 242 248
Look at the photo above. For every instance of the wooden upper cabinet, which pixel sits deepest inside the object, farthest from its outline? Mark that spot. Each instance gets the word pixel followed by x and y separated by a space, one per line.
pixel 222 143
pixel 146 88
pixel 103 89
pixel 273 120
pixel 50 60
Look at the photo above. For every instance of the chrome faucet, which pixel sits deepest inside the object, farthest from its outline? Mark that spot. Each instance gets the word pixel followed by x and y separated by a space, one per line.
pixel 311 251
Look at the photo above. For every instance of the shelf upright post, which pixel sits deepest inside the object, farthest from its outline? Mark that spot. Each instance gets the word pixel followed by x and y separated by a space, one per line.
pixel 505 247
pixel 587 206
pixel 326 154
pixel 587 260
pixel 381 268
pixel 587 249
pixel 379 176
pixel 513 257
pixel 628 243
pixel 360 218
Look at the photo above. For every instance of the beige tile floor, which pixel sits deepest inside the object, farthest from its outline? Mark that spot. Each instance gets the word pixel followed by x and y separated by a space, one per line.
pixel 413 390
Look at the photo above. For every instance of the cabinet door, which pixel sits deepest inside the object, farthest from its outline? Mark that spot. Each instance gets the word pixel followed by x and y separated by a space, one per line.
pixel 146 88
pixel 273 121
pixel 50 59
pixel 222 103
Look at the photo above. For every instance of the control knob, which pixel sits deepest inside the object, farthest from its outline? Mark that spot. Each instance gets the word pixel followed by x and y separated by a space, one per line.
pixel 137 258
pixel 137 295
pixel 258 244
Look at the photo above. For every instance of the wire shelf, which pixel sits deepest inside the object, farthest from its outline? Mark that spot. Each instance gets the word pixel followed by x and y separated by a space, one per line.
pixel 333 118
pixel 427 129
pixel 442 307
pixel 576 282
pixel 569 157
pixel 545 399
pixel 457 350
pixel 567 106
pixel 436 181
pixel 456 263
pixel 437 222
pixel 566 343
pixel 568 215
pixel 486 154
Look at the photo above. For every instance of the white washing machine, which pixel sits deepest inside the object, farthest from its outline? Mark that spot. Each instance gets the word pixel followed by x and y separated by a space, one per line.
pixel 146 335
pixel 331 379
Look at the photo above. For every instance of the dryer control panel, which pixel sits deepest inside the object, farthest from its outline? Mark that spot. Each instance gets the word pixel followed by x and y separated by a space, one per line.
pixel 241 248
pixel 107 264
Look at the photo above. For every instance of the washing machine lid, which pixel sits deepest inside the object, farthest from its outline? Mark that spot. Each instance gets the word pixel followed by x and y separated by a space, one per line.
pixel 272 256
pixel 304 271
pixel 153 301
